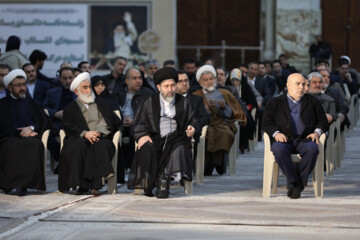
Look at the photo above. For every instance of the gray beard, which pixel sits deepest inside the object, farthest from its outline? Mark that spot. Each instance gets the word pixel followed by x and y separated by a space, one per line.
pixel 209 89
pixel 87 98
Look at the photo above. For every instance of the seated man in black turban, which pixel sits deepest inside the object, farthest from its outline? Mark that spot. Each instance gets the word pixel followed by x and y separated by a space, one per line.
pixel 163 127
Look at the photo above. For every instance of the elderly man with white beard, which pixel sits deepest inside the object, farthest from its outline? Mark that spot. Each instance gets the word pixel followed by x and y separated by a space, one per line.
pixel 89 124
pixel 224 111
pixel 162 127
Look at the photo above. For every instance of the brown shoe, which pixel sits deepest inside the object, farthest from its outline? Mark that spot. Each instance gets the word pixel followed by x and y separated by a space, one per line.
pixel 95 192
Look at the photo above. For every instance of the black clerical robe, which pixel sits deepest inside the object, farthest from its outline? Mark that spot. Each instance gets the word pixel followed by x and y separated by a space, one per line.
pixel 82 163
pixel 166 154
pixel 21 159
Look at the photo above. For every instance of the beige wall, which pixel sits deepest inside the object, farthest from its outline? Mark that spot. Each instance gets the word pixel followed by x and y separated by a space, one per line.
pixel 297 22
pixel 164 24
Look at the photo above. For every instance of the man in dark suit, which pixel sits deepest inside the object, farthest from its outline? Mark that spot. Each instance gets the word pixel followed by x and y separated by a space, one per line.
pixel 182 87
pixel 265 83
pixel 280 75
pixel 129 99
pixel 116 78
pixel 294 122
pixel 89 125
pixel 58 98
pixel 36 89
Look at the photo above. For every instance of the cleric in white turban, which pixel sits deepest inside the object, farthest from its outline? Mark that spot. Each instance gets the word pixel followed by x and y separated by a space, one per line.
pixel 22 123
pixel 12 75
pixel 224 110
pixel 90 125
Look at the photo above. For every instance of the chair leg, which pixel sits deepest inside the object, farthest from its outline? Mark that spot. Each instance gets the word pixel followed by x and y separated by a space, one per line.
pixel 188 187
pixel 275 177
pixel 267 177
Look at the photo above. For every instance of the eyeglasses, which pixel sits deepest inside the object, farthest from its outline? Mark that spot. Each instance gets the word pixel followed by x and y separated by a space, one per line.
pixel 183 81
pixel 18 85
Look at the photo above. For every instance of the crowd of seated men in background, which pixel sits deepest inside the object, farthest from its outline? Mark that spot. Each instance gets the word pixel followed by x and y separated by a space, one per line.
pixel 218 97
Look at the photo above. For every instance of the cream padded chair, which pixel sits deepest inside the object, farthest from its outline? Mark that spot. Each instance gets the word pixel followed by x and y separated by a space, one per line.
pixel 338 145
pixel 112 182
pixel 200 157
pixel 271 169
pixel 330 150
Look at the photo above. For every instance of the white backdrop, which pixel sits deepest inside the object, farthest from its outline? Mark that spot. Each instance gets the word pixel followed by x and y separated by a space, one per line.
pixel 60 30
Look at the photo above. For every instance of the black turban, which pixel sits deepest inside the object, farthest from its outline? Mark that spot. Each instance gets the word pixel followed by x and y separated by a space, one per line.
pixel 164 74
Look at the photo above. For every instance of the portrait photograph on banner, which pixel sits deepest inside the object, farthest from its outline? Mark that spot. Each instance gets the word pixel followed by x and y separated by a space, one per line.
pixel 115 32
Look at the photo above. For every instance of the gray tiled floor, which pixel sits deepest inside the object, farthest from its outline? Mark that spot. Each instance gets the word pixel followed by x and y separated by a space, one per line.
pixel 224 207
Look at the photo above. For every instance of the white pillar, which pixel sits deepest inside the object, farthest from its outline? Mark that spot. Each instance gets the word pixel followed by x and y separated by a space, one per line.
pixel 269 31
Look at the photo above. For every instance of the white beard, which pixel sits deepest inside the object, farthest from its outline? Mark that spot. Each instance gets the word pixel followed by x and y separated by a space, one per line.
pixel 325 86
pixel 87 98
pixel 209 89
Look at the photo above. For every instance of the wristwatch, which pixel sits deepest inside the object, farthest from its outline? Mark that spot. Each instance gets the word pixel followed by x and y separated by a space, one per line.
pixel 32 128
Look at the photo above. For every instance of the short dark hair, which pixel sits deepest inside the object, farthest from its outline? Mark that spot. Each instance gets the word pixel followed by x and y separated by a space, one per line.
pixel 117 58
pixel 81 63
pixel 275 61
pixel 189 60
pixel 5 66
pixel 244 65
pixel 182 72
pixel 77 70
pixel 25 65
pixel 282 55
pixel 168 62
pixel 37 55
pixel 318 62
pixel 263 63
pixel 64 69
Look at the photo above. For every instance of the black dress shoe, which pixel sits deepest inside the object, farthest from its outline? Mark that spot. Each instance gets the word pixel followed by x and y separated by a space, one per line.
pixel 297 189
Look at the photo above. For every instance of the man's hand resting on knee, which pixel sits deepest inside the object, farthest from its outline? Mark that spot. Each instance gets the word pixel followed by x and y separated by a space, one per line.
pixel 279 137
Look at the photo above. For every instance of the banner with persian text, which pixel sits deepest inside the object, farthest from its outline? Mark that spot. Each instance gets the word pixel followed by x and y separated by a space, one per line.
pixel 60 30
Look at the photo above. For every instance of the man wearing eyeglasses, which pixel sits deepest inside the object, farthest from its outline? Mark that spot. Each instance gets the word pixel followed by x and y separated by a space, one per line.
pixel 224 110
pixel 182 87
pixel 22 123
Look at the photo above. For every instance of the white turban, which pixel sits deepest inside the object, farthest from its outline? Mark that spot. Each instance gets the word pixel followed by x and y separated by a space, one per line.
pixel 79 79
pixel 12 75
pixel 205 68
pixel 346 57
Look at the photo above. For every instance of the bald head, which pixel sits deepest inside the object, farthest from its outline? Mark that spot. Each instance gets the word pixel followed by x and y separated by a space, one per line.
pixel 295 85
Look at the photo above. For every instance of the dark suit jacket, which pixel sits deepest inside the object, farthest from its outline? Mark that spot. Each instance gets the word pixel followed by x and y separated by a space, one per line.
pixel 138 97
pixel 52 100
pixel 40 91
pixel 202 115
pixel 119 81
pixel 262 85
pixel 339 101
pixel 74 121
pixel 147 85
pixel 276 116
